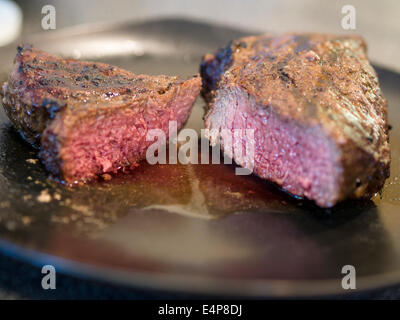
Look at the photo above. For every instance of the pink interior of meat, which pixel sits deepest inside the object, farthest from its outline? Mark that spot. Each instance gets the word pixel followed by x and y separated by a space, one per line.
pixel 302 160
pixel 108 143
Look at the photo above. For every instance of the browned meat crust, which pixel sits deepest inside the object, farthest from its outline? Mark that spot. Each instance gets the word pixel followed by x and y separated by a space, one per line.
pixel 47 98
pixel 311 81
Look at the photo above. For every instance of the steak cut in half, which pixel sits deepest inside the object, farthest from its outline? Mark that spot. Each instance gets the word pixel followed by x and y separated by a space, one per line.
pixel 90 118
pixel 314 102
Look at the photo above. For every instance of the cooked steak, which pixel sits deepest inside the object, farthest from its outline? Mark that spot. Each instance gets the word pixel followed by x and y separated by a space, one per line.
pixel 90 118
pixel 314 102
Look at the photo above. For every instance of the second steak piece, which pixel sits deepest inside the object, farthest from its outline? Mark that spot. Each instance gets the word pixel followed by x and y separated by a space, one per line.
pixel 91 118
pixel 314 102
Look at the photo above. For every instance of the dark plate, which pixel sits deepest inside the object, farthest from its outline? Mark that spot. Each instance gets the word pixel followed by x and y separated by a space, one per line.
pixel 194 228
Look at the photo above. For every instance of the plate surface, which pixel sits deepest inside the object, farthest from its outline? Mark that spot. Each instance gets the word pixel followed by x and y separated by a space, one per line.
pixel 194 228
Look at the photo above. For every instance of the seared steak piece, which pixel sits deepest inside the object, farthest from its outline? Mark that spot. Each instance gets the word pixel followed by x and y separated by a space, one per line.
pixel 90 118
pixel 314 102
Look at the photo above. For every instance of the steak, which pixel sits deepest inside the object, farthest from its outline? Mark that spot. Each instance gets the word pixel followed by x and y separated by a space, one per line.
pixel 314 103
pixel 90 118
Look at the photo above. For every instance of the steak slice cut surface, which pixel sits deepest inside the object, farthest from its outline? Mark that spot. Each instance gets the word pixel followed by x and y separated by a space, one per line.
pixel 90 118
pixel 314 103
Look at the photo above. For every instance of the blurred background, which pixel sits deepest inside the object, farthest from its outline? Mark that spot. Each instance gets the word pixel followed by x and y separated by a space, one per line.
pixel 377 21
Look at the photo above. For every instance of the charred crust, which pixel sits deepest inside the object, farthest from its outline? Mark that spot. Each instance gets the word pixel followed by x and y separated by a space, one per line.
pixel 50 153
pixel 23 47
pixel 284 76
pixel 213 67
pixel 164 90
pixel 52 106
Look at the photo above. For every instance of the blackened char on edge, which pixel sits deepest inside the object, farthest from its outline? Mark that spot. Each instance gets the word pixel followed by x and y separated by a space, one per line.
pixel 90 118
pixel 314 100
